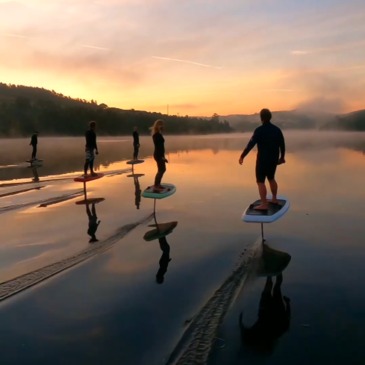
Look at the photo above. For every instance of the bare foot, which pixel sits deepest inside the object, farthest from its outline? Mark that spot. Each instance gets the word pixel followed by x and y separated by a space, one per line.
pixel 158 188
pixel 261 207
pixel 274 201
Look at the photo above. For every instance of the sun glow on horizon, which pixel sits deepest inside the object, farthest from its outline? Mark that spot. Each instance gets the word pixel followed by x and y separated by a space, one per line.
pixel 145 58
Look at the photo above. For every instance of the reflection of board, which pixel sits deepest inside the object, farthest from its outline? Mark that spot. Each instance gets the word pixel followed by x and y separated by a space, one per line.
pixel 272 262
pixel 87 178
pixel 273 213
pixel 90 201
pixel 134 162
pixel 35 162
pixel 135 175
pixel 168 189
pixel 161 230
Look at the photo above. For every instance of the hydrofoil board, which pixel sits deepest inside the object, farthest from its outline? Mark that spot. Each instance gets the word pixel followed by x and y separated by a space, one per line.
pixel 87 178
pixel 150 192
pixel 273 213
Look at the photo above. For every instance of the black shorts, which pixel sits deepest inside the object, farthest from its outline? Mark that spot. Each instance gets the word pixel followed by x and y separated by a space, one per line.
pixel 265 170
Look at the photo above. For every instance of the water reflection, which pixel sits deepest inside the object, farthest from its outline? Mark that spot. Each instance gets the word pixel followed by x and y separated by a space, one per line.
pixel 274 308
pixel 164 260
pixel 93 221
pixel 137 187
pixel 35 173
pixel 159 232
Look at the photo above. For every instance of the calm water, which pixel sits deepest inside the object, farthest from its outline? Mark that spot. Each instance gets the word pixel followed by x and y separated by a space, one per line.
pixel 105 306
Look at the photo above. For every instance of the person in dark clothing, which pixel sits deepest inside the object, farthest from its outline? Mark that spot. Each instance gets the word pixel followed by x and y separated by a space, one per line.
pixel 33 143
pixel 90 147
pixel 270 153
pixel 159 153
pixel 164 260
pixel 135 143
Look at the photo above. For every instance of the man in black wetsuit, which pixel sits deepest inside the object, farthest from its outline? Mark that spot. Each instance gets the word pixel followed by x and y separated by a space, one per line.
pixel 90 147
pixel 135 143
pixel 270 153
pixel 33 143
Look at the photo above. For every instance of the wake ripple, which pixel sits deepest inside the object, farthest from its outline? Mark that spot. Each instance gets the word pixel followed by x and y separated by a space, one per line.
pixel 20 283
pixel 197 341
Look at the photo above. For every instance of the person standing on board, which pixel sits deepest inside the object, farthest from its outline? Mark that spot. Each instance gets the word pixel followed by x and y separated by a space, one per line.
pixel 270 153
pixel 135 143
pixel 90 147
pixel 159 153
pixel 33 143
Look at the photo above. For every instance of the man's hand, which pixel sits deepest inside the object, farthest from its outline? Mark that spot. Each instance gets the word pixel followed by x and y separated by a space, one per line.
pixel 240 161
pixel 96 152
pixel 281 160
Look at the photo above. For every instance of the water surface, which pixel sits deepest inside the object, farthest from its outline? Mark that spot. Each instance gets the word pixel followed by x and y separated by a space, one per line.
pixel 109 307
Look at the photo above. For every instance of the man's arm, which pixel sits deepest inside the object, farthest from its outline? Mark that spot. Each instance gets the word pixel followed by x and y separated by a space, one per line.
pixel 282 148
pixel 249 147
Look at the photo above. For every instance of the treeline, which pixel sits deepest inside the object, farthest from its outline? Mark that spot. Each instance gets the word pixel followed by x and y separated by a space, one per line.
pixel 26 109
pixel 354 121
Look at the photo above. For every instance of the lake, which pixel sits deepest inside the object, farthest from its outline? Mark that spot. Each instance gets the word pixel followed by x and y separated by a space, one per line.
pixel 210 292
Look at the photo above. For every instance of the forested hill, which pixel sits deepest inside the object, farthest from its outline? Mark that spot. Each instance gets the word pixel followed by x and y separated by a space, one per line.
pixel 26 109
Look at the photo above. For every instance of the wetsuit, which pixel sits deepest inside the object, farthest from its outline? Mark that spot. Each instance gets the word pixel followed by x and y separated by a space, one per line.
pixel 90 146
pixel 135 145
pixel 33 143
pixel 159 156
pixel 270 147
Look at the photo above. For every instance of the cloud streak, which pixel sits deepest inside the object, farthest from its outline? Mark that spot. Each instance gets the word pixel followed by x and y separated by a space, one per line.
pixel 186 61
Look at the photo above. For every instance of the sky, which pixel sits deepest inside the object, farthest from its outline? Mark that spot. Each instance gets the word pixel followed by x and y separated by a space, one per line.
pixel 190 57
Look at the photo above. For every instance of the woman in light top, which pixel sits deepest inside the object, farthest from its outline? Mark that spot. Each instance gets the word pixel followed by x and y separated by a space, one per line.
pixel 159 153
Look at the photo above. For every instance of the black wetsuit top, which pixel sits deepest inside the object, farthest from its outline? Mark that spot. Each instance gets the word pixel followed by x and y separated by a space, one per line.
pixel 159 143
pixel 90 137
pixel 34 140
pixel 270 141
pixel 135 138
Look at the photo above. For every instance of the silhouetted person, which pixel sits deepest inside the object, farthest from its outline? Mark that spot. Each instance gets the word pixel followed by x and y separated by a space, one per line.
pixel 137 192
pixel 273 318
pixel 270 153
pixel 164 260
pixel 136 144
pixel 93 222
pixel 34 143
pixel 90 148
pixel 159 153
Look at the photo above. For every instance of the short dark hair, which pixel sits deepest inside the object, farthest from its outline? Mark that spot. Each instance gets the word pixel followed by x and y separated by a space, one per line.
pixel 92 124
pixel 265 115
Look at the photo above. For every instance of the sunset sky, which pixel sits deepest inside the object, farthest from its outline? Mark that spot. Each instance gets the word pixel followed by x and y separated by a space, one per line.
pixel 189 57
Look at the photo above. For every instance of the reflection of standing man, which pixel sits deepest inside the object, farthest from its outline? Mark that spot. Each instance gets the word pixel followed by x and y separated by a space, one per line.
pixel 270 153
pixel 135 143
pixel 33 143
pixel 137 191
pixel 35 173
pixel 93 222
pixel 90 147
pixel 273 317
pixel 164 260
